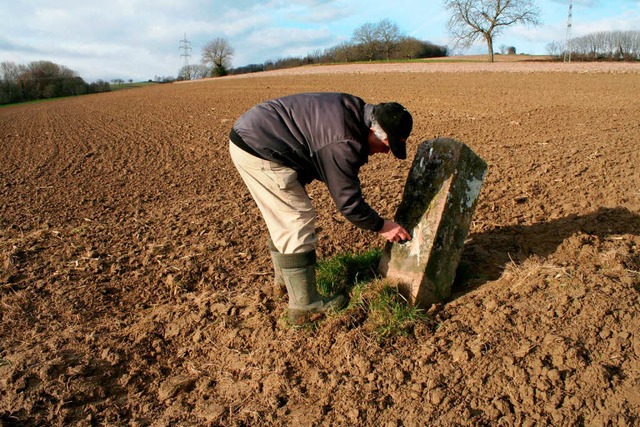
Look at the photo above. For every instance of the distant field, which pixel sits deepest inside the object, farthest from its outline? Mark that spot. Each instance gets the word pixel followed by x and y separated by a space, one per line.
pixel 496 58
pixel 131 85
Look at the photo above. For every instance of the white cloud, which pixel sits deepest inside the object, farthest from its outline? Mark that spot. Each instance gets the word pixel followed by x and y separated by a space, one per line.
pixel 279 43
pixel 320 15
pixel 628 22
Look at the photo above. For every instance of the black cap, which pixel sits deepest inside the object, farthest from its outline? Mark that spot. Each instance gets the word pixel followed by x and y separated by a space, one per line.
pixel 397 122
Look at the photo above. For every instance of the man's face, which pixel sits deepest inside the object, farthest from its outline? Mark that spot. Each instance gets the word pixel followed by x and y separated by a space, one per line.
pixel 377 145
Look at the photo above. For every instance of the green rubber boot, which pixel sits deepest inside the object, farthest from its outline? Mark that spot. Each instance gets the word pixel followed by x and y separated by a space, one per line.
pixel 279 287
pixel 299 274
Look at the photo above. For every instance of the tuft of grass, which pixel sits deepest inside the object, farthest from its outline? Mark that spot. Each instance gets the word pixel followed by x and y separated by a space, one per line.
pixel 375 306
pixel 388 312
pixel 342 272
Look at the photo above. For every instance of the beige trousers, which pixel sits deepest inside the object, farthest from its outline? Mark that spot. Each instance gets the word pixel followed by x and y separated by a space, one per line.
pixel 282 200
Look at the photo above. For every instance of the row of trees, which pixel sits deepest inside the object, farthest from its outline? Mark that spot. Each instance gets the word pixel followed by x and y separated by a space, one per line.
pixel 602 45
pixel 372 41
pixel 41 80
pixel 404 48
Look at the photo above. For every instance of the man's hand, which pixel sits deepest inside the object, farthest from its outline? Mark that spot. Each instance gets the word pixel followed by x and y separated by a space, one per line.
pixel 394 232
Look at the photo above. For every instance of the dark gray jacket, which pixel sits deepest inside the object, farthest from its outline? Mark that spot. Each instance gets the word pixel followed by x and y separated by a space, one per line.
pixel 321 136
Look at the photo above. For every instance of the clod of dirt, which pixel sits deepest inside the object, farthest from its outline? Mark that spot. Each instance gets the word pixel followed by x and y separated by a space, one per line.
pixel 174 385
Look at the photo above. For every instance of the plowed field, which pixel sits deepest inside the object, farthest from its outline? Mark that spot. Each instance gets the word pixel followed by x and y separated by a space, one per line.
pixel 135 277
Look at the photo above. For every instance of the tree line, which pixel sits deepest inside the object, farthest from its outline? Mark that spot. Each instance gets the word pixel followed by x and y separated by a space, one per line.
pixel 370 42
pixel 42 80
pixel 407 48
pixel 601 45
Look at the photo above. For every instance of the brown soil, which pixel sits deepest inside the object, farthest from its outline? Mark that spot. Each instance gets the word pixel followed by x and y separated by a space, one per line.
pixel 496 58
pixel 134 275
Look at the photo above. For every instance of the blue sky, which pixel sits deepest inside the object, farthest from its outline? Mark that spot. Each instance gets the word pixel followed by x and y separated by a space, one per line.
pixel 139 39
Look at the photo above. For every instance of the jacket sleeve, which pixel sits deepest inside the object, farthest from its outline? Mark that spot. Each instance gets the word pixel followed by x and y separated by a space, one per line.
pixel 339 164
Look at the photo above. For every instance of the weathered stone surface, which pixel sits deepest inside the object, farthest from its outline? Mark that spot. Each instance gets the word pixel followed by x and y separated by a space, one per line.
pixel 439 199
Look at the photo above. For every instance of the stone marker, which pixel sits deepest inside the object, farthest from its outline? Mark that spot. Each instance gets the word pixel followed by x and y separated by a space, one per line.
pixel 439 199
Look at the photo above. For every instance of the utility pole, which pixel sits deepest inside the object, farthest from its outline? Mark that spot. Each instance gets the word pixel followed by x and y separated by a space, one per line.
pixel 185 52
pixel 568 47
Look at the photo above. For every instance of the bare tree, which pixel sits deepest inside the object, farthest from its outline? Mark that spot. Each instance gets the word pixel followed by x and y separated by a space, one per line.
pixel 186 72
pixel 366 38
pixel 193 72
pixel 9 71
pixel 388 35
pixel 474 19
pixel 377 41
pixel 218 52
pixel 555 49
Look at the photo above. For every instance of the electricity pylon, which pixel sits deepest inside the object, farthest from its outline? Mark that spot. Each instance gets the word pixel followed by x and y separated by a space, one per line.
pixel 568 47
pixel 185 50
